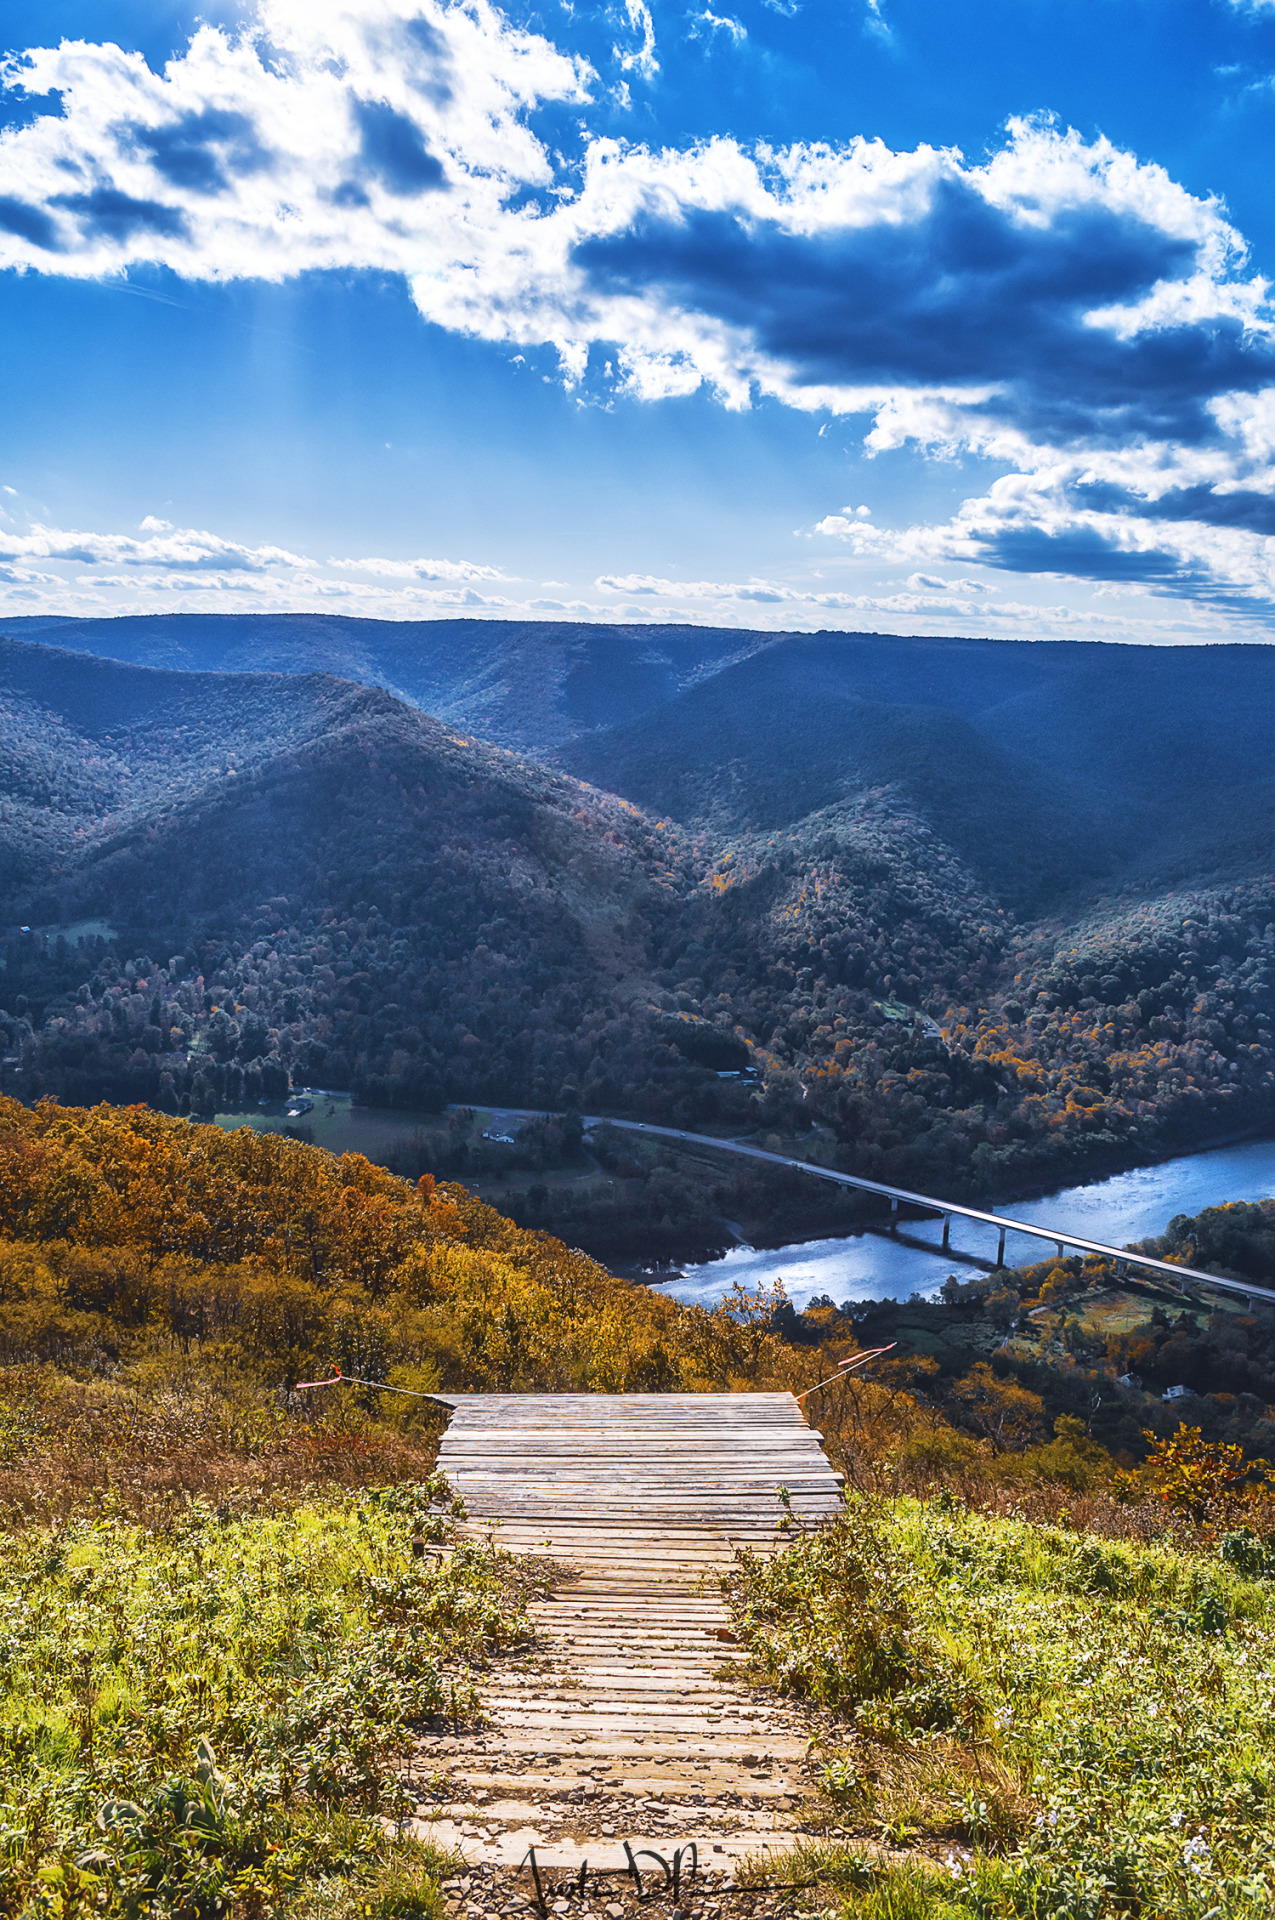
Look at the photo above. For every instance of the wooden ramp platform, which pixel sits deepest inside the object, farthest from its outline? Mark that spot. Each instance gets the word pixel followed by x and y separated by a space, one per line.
pixel 677 1462
pixel 626 1721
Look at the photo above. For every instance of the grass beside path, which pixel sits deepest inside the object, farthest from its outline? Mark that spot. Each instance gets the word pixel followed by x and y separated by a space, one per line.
pixel 203 1721
pixel 1048 1723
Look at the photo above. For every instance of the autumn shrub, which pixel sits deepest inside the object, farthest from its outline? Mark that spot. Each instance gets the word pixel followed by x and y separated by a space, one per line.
pixel 1211 1485
pixel 143 1447
pixel 165 1289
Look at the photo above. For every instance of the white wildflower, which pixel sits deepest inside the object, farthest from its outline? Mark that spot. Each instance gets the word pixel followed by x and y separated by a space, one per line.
pixel 1195 1853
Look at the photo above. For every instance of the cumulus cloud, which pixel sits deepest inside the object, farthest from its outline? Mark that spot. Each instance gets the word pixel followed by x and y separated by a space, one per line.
pixel 1061 308
pixel 647 583
pixel 1039 523
pixel 165 547
pixel 323 134
pixel 163 568
pixel 162 563
pixel 924 591
pixel 934 583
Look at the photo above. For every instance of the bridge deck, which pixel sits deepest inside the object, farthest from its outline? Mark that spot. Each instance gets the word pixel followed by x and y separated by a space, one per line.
pixel 1061 1237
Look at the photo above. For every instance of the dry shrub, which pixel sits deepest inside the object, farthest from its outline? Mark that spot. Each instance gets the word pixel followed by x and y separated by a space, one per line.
pixel 70 1447
pixel 943 1789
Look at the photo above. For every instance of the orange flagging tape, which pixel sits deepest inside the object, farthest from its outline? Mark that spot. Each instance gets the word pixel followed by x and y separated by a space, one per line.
pixel 848 1365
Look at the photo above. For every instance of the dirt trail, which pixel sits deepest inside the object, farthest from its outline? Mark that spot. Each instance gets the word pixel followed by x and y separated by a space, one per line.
pixel 626 1721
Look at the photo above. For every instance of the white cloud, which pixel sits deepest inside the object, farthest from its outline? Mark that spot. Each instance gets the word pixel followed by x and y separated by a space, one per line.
pixel 166 547
pixel 168 562
pixel 934 583
pixel 714 24
pixel 421 569
pixel 1018 308
pixel 323 135
pixel 172 568
pixel 640 59
pixel 1031 523
pixel 646 583
pixel 875 24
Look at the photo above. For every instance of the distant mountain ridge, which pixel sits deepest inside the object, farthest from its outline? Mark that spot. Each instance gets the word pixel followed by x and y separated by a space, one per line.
pixel 1050 768
pixel 1054 767
pixel 199 812
pixel 990 913
pixel 527 685
pixel 88 745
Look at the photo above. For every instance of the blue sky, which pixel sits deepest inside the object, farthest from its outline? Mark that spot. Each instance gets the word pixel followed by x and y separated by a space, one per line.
pixel 886 314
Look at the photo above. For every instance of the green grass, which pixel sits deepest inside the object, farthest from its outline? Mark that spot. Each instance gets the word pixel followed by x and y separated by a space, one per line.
pixel 205 1721
pixel 1033 1722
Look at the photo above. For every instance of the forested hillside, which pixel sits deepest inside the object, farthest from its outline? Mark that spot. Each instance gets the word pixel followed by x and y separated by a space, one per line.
pixel 974 962
pixel 1140 753
pixel 349 890
pixel 89 746
pixel 1047 768
pixel 232 1608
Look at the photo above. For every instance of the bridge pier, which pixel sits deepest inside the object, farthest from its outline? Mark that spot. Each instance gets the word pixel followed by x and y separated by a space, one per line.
pixel 947 1232
pixel 1000 1249
pixel 894 1216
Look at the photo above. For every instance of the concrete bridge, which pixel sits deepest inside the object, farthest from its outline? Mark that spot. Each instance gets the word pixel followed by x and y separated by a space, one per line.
pixel 946 1210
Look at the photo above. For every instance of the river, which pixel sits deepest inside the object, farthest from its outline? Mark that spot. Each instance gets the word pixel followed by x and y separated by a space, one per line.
pixel 871 1266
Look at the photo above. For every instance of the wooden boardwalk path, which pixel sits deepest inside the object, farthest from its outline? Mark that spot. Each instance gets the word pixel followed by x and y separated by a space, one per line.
pixel 625 1721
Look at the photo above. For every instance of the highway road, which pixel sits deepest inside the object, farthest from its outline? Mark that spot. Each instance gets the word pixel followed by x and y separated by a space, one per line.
pixel 1058 1237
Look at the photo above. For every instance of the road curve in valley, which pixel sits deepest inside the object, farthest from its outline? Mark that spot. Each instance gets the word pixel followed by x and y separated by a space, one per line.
pixel 1058 1237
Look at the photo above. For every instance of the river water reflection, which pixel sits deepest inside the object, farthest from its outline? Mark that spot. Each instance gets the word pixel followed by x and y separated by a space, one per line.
pixel 1127 1207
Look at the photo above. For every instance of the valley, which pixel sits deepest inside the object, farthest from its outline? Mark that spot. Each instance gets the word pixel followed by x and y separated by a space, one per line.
pixel 933 910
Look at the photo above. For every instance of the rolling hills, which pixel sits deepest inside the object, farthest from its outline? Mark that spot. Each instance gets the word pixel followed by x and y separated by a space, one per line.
pixel 1049 768
pixel 314 860
pixel 982 915
pixel 1054 768
pixel 527 685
